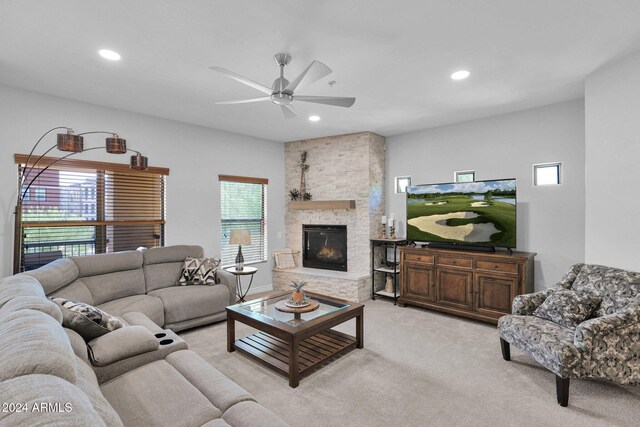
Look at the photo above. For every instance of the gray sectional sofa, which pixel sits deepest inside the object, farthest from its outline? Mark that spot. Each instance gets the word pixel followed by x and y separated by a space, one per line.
pixel 140 281
pixel 137 375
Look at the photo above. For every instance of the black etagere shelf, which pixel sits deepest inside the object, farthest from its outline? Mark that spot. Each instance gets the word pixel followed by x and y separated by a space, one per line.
pixel 386 266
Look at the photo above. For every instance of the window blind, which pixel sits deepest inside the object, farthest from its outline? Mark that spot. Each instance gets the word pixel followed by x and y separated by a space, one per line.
pixel 78 207
pixel 243 202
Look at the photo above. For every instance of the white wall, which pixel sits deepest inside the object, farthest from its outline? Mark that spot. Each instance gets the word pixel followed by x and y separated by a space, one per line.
pixel 612 111
pixel 195 156
pixel 550 219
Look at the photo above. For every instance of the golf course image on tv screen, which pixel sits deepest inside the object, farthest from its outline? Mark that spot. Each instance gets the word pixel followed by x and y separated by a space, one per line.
pixel 478 213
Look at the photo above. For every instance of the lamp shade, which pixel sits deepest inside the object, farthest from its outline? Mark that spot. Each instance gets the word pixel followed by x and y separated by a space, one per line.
pixel 116 145
pixel 139 162
pixel 70 142
pixel 240 236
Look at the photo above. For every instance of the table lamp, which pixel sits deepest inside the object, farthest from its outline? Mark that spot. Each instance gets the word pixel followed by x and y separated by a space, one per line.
pixel 240 236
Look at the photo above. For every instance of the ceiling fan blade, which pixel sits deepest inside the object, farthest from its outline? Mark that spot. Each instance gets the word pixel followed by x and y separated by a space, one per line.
pixel 328 100
pixel 244 101
pixel 314 72
pixel 288 112
pixel 244 80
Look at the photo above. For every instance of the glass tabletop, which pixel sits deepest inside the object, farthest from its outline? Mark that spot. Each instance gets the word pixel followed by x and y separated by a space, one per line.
pixel 267 308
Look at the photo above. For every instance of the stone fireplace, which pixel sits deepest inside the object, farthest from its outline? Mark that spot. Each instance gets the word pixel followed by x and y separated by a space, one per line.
pixel 346 179
pixel 325 247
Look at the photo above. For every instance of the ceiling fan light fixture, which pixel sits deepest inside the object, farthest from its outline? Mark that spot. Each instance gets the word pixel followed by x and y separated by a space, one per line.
pixel 314 118
pixel 109 54
pixel 460 75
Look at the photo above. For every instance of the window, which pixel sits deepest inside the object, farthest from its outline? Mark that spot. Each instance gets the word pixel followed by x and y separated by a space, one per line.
pixel 243 204
pixel 88 208
pixel 41 194
pixel 547 174
pixel 402 182
pixel 464 176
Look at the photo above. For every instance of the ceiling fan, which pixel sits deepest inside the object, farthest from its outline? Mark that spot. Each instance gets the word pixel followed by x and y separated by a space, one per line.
pixel 282 91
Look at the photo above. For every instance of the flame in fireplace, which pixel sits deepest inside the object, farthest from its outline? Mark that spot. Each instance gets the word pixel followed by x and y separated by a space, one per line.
pixel 329 253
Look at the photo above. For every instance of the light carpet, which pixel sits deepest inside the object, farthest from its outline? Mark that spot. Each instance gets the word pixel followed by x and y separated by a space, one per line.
pixel 421 368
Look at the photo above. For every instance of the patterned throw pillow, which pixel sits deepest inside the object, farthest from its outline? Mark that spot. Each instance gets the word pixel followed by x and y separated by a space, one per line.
pixel 199 271
pixel 567 308
pixel 88 321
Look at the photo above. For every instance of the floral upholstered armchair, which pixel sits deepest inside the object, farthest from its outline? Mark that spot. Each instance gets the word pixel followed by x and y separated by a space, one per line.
pixel 587 326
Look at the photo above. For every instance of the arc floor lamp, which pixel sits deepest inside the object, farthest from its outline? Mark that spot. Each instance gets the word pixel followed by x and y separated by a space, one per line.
pixel 73 143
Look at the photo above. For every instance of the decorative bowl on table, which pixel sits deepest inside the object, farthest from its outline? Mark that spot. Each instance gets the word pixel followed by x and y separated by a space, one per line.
pixel 290 302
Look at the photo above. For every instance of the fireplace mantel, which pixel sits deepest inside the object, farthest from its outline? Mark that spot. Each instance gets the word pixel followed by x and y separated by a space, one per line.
pixel 323 204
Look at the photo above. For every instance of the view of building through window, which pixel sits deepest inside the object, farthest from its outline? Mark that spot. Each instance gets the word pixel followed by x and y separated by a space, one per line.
pixel 83 212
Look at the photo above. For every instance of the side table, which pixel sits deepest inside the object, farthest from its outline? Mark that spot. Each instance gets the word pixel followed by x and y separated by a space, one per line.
pixel 246 271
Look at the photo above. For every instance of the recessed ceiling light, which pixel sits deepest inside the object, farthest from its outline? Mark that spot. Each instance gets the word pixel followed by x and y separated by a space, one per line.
pixel 460 75
pixel 109 54
pixel 314 118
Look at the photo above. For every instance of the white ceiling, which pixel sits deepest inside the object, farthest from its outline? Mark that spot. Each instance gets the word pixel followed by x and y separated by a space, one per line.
pixel 394 56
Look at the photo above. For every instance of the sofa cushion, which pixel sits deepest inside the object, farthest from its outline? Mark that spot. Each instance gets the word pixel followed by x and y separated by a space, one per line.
pixel 111 286
pixel 158 276
pixel 156 394
pixel 78 344
pixel 95 265
pixel 218 422
pixel 121 344
pixel 175 253
pixel 199 271
pixel 89 321
pixel 88 384
pixel 74 408
pixel 133 318
pixel 162 265
pixel 76 291
pixel 38 303
pixel 220 390
pixel 616 287
pixel 548 343
pixel 148 305
pixel 567 308
pixel 32 342
pixel 248 414
pixel 20 285
pixel 55 275
pixel 190 302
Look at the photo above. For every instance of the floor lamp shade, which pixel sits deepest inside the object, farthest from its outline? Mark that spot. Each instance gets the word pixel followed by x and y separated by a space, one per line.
pixel 139 162
pixel 116 145
pixel 70 142
pixel 240 236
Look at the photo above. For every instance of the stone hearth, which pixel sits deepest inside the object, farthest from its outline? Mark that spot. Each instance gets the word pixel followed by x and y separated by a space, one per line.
pixel 344 167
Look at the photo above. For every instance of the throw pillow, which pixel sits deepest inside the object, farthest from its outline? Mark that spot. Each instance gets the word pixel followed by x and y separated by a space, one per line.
pixel 567 308
pixel 199 271
pixel 88 321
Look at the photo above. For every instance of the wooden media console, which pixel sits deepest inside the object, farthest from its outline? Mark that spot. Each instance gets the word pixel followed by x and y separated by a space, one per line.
pixel 478 285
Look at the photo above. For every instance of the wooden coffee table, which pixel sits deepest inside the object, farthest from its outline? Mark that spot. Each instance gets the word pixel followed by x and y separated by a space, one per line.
pixel 294 344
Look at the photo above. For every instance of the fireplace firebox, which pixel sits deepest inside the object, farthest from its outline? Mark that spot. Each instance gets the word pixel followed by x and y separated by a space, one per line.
pixel 325 246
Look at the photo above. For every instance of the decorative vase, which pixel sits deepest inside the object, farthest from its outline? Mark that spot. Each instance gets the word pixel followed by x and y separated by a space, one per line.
pixel 388 286
pixel 297 297
pixel 239 259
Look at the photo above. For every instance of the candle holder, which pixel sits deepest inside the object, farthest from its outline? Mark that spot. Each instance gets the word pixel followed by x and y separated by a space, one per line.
pixel 392 231
pixel 384 231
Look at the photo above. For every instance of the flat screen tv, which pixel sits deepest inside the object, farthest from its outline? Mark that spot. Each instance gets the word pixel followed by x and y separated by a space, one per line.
pixel 465 214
